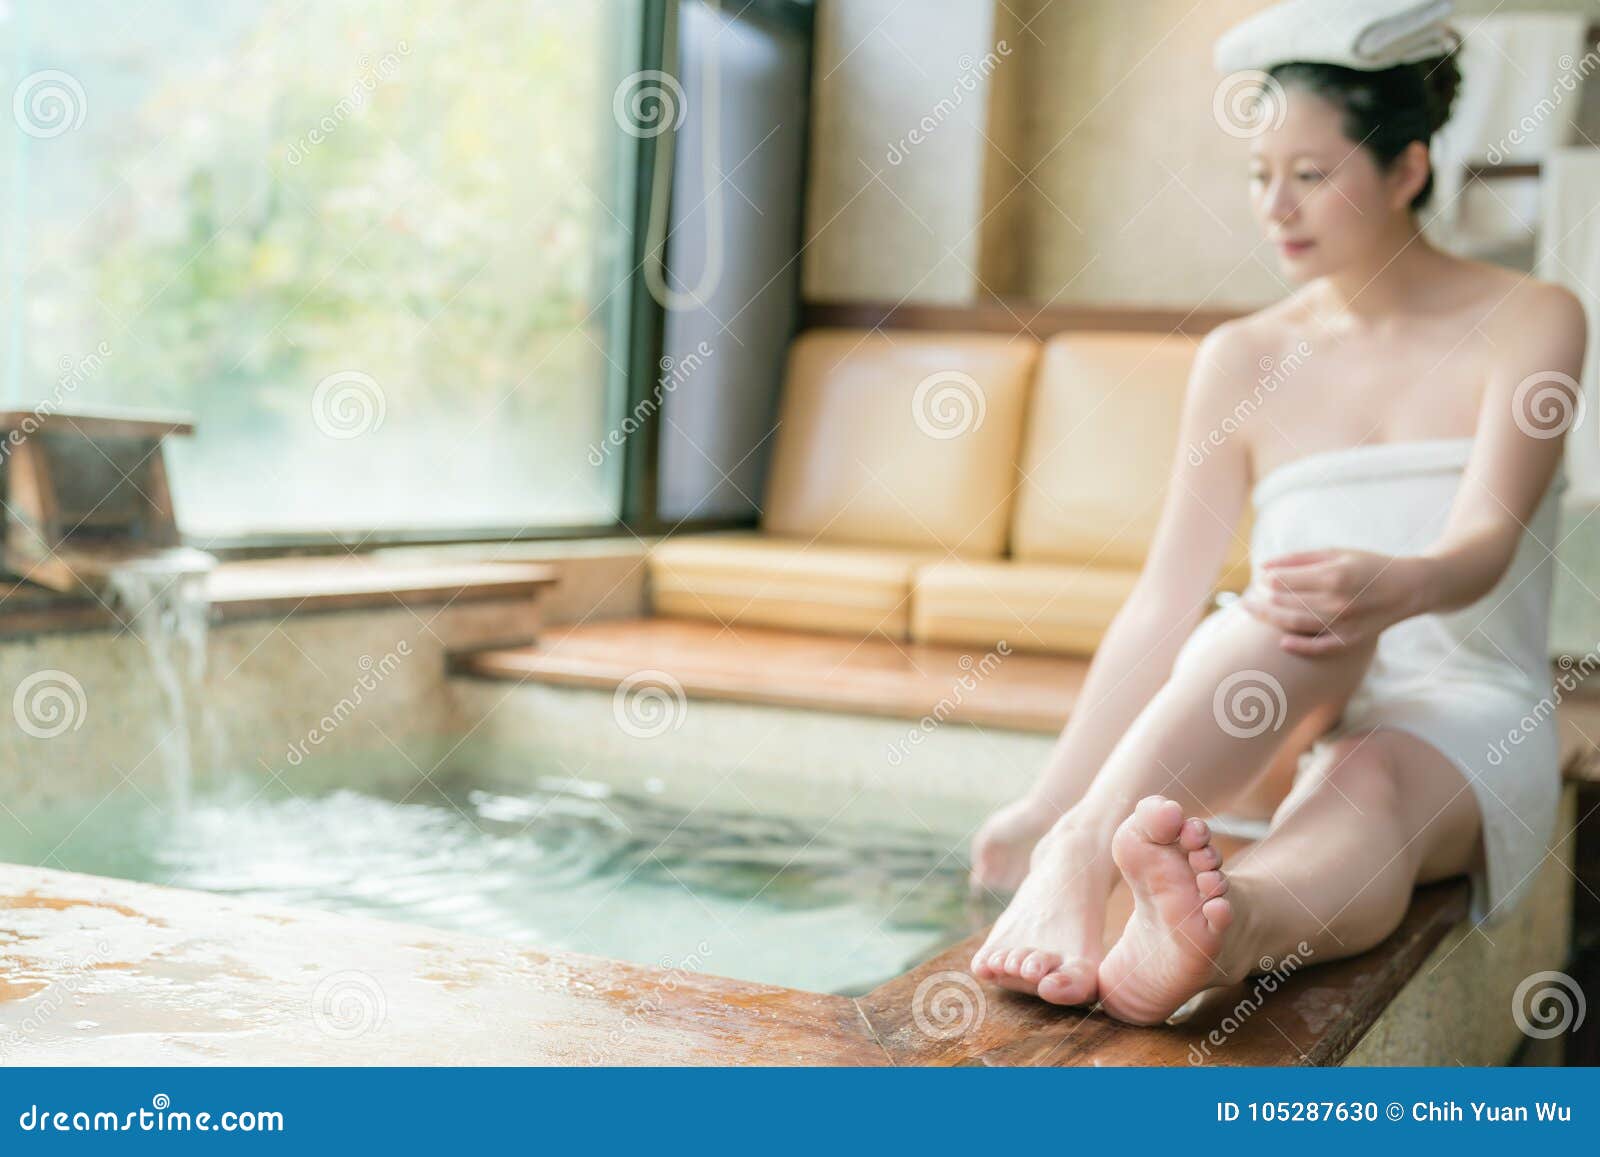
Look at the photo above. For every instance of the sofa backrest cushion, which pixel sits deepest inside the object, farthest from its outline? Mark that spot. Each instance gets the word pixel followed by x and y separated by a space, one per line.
pixel 900 439
pixel 1102 431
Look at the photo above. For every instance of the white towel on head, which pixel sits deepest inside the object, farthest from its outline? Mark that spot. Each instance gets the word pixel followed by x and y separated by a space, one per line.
pixel 1365 34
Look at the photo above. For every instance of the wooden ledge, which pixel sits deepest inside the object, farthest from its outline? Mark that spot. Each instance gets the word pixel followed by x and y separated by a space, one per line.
pixel 242 590
pixel 1310 1014
pixel 102 422
pixel 874 676
pixel 165 976
pixel 257 589
pixel 242 982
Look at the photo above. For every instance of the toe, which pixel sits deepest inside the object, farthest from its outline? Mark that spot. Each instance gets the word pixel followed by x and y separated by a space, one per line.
pixel 1211 883
pixel 1218 913
pixel 1036 964
pixel 1014 959
pixel 1194 834
pixel 1205 859
pixel 979 965
pixel 1159 818
pixel 1073 982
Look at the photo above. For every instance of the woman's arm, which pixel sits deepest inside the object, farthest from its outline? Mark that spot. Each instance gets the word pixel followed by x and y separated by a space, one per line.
pixel 1531 401
pixel 1205 497
pixel 1328 600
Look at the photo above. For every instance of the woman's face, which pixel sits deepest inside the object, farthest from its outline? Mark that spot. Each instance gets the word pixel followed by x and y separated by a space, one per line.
pixel 1321 199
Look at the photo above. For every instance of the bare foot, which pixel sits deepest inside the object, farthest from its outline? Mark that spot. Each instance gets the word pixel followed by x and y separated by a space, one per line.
pixel 1003 845
pixel 1050 940
pixel 1173 942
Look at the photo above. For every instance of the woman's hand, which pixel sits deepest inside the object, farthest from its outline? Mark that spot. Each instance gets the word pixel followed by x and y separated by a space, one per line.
pixel 1331 600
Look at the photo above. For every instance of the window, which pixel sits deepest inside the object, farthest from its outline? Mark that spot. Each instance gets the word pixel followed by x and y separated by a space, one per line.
pixel 379 249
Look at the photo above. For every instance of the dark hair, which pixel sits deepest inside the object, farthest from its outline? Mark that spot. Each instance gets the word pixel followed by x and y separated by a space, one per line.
pixel 1386 109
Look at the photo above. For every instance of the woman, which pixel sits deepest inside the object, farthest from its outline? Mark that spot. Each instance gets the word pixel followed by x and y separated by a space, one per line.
pixel 1404 474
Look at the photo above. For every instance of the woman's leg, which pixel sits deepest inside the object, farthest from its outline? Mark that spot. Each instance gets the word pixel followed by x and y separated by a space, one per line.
pixel 1384 810
pixel 1205 735
pixel 1002 847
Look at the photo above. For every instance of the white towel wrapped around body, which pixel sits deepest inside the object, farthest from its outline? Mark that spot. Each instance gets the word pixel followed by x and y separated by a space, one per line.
pixel 1364 34
pixel 1474 683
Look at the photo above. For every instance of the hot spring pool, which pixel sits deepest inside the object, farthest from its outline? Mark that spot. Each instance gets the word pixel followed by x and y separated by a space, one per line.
pixel 828 908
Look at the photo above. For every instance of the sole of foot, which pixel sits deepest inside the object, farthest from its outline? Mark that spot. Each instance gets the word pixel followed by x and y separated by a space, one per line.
pixel 1169 950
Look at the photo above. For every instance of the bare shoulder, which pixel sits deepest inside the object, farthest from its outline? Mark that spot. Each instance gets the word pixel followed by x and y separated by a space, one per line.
pixel 1537 336
pixel 1221 364
pixel 1530 311
pixel 1551 310
pixel 1239 351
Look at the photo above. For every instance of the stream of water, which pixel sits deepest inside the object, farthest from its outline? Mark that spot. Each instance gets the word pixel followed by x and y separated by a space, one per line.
pixel 163 601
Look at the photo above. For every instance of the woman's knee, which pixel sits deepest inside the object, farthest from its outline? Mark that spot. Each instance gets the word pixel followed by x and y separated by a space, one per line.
pixel 1363 770
pixel 1398 780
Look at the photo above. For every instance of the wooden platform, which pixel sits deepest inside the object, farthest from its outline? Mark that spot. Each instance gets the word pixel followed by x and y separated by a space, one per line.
pixel 874 676
pixel 1313 1015
pixel 166 976
pixel 239 590
pixel 108 972
pixel 244 590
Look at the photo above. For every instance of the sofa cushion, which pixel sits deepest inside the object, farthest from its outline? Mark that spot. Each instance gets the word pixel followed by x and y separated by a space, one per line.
pixel 770 581
pixel 903 440
pixel 1032 606
pixel 1101 438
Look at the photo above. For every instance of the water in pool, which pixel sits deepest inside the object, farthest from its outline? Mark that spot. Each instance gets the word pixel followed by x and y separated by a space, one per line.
pixel 829 908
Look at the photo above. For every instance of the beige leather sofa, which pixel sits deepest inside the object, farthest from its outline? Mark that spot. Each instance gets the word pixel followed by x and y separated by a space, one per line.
pixel 951 488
